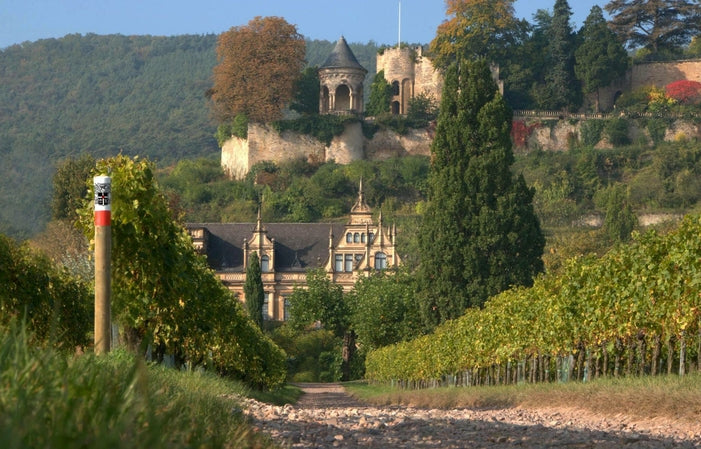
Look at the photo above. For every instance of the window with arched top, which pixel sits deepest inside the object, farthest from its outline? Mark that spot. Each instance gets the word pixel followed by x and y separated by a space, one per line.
pixel 265 264
pixel 395 87
pixel 356 237
pixel 349 238
pixel 380 261
pixel 362 237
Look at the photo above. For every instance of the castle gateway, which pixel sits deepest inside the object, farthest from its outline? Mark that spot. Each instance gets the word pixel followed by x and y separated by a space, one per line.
pixel 288 250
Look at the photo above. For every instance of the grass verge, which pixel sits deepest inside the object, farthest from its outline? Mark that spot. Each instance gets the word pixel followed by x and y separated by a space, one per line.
pixel 53 400
pixel 671 397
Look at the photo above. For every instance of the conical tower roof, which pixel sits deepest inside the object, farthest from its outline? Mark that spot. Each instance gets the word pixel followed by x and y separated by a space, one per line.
pixel 342 57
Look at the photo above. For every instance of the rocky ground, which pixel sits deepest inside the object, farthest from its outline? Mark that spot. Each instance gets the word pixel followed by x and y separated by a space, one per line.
pixel 325 417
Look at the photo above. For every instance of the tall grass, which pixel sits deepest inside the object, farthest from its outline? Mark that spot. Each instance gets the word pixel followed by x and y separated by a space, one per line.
pixel 672 397
pixel 54 400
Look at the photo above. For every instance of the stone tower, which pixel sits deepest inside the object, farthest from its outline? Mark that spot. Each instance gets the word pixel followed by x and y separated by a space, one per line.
pixel 341 78
pixel 409 73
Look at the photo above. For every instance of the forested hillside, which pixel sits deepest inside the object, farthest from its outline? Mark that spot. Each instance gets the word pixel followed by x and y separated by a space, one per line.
pixel 105 95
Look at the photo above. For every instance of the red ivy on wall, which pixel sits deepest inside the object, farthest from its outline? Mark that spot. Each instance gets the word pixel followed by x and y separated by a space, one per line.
pixel 520 132
pixel 684 91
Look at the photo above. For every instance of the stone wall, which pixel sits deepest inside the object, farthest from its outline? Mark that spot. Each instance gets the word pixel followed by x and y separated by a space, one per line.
pixel 557 135
pixel 266 144
pixel 660 74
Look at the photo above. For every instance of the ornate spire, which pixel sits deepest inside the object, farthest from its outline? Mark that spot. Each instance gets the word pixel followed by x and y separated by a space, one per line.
pixel 259 222
pixel 361 212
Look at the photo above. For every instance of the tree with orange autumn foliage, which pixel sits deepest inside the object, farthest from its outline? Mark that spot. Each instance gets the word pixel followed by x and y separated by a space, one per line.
pixel 259 64
pixel 475 28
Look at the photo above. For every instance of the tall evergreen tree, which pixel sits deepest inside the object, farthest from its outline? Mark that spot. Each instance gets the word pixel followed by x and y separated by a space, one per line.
pixel 253 290
pixel 480 234
pixel 380 95
pixel 655 24
pixel 561 84
pixel 600 58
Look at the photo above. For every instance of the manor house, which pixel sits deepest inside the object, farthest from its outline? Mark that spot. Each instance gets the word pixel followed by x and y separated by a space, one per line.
pixel 288 250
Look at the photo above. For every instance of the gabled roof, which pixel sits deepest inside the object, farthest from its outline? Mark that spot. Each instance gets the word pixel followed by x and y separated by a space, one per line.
pixel 298 246
pixel 342 57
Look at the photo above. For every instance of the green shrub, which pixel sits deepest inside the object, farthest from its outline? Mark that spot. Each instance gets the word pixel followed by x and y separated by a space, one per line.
pixel 617 131
pixel 53 401
pixel 591 132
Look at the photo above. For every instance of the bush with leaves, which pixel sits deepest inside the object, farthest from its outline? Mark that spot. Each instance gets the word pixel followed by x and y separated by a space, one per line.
pixel 165 294
pixel 54 305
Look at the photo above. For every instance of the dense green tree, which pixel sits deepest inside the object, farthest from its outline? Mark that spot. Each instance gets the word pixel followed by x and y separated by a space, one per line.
pixel 70 186
pixel 384 310
pixel 323 302
pixel 306 99
pixel 561 87
pixel 619 220
pixel 657 25
pixel 422 109
pixel 480 234
pixel 253 290
pixel 600 59
pixel 380 96
pixel 54 305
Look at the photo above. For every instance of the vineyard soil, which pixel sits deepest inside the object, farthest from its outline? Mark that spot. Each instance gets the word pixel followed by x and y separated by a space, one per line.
pixel 326 417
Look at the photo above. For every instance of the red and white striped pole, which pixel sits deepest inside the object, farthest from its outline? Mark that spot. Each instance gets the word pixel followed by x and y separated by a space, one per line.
pixel 103 250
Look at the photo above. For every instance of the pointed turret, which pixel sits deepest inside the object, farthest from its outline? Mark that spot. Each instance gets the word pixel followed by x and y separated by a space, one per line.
pixel 361 212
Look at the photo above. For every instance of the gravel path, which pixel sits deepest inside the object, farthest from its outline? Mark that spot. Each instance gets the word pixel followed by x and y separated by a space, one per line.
pixel 325 417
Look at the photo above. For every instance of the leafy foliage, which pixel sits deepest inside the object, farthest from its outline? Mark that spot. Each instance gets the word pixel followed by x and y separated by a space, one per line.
pixel 307 87
pixel 165 294
pixel 54 305
pixel 475 28
pixel 259 64
pixel 621 306
pixel 684 91
pixel 384 309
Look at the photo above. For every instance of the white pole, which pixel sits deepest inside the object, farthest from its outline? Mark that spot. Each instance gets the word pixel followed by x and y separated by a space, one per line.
pixel 399 32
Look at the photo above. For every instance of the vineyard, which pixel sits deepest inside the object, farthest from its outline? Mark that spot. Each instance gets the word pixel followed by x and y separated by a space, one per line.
pixel 634 311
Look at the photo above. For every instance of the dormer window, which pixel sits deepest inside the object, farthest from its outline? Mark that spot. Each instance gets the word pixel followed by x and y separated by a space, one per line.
pixel 265 264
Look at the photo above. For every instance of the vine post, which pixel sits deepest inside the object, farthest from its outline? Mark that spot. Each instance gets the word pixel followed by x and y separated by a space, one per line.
pixel 103 250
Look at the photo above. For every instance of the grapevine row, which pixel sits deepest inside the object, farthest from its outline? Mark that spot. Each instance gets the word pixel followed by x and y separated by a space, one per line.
pixel 633 311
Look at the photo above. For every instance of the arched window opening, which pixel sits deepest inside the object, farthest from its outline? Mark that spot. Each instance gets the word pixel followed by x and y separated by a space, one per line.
pixel 395 87
pixel 356 238
pixel 380 261
pixel 265 264
pixel 324 100
pixel 362 237
pixel 349 238
pixel 343 102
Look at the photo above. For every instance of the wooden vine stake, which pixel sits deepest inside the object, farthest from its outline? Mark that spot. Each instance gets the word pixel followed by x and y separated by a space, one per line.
pixel 103 249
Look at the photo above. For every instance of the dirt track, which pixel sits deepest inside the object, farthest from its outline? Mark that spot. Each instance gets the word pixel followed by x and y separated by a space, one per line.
pixel 325 417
